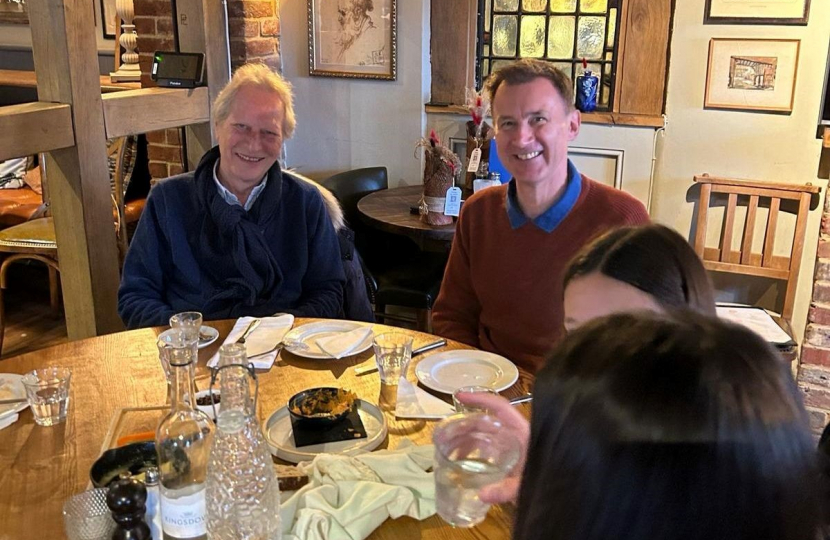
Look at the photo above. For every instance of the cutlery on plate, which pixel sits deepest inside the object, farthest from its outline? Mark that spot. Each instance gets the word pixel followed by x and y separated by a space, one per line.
pixel 12 401
pixel 362 370
pixel 295 344
pixel 521 399
pixel 248 331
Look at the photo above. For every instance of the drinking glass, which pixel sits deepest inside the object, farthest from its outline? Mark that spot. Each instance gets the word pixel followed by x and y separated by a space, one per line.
pixel 87 517
pixel 47 391
pixel 461 407
pixel 189 321
pixel 393 351
pixel 176 344
pixel 471 451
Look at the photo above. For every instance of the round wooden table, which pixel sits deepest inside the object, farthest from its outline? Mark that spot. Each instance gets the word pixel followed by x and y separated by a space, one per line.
pixel 117 374
pixel 389 210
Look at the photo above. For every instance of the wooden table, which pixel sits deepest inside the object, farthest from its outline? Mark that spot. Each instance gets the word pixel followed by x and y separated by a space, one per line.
pixel 40 467
pixel 389 210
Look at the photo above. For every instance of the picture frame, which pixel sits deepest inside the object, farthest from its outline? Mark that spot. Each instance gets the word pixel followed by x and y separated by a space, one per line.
pixel 752 74
pixel 109 19
pixel 778 12
pixel 353 39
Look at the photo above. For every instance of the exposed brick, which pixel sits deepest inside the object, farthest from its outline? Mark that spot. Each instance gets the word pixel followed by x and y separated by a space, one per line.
pixel 815 396
pixel 173 137
pixel 145 26
pixel 243 28
pixel 158 170
pixel 270 27
pixel 152 44
pixel 818 419
pixel 818 376
pixel 821 292
pixel 145 62
pixel 156 137
pixel 170 154
pixel 823 248
pixel 164 26
pixel 174 169
pixel 822 270
pixel 815 356
pixel 252 47
pixel 817 335
pixel 819 314
pixel 146 81
pixel 157 8
pixel 272 61
pixel 250 10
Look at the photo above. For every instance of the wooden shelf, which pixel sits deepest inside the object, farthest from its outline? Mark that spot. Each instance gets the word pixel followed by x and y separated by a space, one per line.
pixel 126 113
pixel 607 118
pixel 30 128
pixel 27 79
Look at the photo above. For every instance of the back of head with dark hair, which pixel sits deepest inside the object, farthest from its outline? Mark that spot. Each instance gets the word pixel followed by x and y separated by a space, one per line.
pixel 527 70
pixel 653 258
pixel 681 429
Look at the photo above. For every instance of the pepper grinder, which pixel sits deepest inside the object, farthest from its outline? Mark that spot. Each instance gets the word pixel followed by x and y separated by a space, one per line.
pixel 125 499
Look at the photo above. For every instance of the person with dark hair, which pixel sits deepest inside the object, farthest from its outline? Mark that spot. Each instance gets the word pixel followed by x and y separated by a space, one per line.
pixel 649 267
pixel 502 289
pixel 647 427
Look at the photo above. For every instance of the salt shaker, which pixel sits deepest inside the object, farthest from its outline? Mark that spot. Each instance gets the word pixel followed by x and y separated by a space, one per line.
pixel 125 499
pixel 153 513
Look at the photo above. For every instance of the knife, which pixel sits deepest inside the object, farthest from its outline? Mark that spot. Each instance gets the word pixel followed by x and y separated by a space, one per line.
pixel 362 370
pixel 11 401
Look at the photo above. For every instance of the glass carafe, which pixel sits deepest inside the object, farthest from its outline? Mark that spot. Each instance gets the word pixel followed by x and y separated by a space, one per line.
pixel 243 496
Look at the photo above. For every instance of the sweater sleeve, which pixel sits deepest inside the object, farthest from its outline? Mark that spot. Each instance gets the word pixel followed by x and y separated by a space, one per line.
pixel 323 283
pixel 141 298
pixel 457 309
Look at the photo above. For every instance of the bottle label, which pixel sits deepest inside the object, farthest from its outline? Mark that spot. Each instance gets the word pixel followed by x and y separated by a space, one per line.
pixel 184 517
pixel 452 203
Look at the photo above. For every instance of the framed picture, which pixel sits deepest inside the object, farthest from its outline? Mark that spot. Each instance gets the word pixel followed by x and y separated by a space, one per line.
pixel 352 38
pixel 13 12
pixel 109 16
pixel 752 74
pixel 458 146
pixel 795 12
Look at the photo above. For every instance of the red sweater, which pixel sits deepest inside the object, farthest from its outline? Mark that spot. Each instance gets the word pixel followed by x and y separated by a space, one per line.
pixel 502 290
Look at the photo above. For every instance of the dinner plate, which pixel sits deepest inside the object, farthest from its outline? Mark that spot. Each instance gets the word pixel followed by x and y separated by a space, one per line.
pixel 306 334
pixel 11 387
pixel 450 370
pixel 280 437
pixel 207 330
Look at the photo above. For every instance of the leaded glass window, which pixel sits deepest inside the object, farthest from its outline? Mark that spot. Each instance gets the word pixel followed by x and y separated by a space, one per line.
pixel 560 31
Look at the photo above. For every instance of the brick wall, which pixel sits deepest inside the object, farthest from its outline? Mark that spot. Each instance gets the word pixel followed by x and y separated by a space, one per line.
pixel 254 29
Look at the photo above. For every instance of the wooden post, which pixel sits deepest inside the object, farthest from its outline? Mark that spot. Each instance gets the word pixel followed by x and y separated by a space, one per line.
pixel 66 63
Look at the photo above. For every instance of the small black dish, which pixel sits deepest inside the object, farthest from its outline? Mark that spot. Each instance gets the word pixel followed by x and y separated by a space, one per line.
pixel 316 419
pixel 133 458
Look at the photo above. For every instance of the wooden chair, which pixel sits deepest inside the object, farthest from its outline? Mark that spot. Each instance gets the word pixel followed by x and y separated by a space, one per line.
pixel 744 261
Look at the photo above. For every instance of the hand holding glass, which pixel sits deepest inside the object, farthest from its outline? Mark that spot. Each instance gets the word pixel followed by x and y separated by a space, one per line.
pixel 461 407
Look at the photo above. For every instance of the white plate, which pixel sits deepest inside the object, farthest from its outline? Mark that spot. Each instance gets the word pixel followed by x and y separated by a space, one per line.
pixel 280 437
pixel 450 370
pixel 308 333
pixel 214 335
pixel 11 387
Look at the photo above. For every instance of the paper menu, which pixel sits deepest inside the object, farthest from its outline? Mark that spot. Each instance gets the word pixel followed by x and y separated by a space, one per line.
pixel 757 320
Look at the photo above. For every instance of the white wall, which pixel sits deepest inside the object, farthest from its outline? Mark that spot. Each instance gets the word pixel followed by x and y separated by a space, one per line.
pixel 350 123
pixel 18 35
pixel 740 144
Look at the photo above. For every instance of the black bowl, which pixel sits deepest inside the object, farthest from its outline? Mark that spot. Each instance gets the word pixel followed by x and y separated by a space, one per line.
pixel 317 419
pixel 133 458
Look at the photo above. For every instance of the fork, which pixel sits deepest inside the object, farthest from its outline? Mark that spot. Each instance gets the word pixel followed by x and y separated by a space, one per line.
pixel 248 332
pixel 293 343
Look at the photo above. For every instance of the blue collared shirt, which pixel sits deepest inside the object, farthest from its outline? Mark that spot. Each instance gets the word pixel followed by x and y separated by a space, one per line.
pixel 554 215
pixel 232 199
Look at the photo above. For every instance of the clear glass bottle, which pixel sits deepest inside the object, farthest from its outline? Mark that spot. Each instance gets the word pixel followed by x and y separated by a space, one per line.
pixel 243 496
pixel 183 441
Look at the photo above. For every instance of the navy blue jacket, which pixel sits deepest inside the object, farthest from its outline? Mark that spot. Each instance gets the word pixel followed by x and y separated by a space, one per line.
pixel 193 251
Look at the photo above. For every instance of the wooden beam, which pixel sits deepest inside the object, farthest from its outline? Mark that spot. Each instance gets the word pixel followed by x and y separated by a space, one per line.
pixel 66 63
pixel 125 113
pixel 31 128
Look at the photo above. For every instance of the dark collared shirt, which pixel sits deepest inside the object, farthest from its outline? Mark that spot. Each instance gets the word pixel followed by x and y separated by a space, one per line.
pixel 554 215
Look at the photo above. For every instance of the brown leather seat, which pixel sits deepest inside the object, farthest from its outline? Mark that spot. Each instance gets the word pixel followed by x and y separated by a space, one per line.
pixel 18 205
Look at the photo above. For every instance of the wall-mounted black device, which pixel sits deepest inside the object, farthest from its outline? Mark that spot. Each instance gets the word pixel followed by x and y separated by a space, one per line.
pixel 177 70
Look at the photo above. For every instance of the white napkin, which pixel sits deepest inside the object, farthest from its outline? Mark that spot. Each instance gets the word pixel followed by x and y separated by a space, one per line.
pixel 349 497
pixel 6 421
pixel 264 337
pixel 343 343
pixel 415 403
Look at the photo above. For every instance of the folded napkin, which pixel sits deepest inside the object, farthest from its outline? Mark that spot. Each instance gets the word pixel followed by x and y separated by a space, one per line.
pixel 343 343
pixel 349 497
pixel 6 421
pixel 415 403
pixel 264 338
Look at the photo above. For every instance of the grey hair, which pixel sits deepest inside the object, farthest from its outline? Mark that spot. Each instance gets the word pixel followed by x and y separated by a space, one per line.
pixel 261 76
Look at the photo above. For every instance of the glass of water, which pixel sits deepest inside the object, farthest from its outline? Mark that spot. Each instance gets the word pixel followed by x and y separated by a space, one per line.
pixel 47 391
pixel 461 407
pixel 393 351
pixel 471 451
pixel 189 321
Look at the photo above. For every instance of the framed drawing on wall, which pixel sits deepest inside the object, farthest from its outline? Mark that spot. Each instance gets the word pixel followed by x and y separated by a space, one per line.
pixel 109 17
pixel 795 12
pixel 352 38
pixel 752 74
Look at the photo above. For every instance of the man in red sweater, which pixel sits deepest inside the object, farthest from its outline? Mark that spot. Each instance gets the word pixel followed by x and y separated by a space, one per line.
pixel 502 290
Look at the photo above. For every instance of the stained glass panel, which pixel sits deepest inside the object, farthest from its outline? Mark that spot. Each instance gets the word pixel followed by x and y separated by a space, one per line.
pixel 593 6
pixel 563 6
pixel 565 67
pixel 561 37
pixel 612 27
pixel 506 5
pixel 533 36
pixel 591 37
pixel 534 6
pixel 504 35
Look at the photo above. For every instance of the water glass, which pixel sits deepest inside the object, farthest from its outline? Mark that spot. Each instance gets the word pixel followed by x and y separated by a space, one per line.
pixel 47 391
pixel 461 407
pixel 471 451
pixel 177 346
pixel 393 351
pixel 189 321
pixel 87 517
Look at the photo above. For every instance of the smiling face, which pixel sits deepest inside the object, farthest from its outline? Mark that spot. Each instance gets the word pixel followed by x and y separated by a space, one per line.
pixel 250 138
pixel 596 295
pixel 533 129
